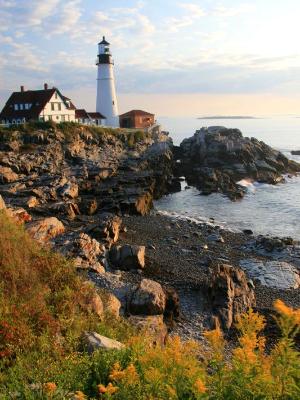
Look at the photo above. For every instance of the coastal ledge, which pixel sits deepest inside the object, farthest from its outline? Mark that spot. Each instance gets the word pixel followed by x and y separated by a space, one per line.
pixel 215 159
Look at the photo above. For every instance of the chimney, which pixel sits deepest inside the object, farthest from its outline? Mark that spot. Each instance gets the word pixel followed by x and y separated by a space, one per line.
pixel 22 89
pixel 45 86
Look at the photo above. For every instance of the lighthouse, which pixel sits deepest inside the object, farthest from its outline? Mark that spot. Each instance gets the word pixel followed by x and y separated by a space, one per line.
pixel 106 103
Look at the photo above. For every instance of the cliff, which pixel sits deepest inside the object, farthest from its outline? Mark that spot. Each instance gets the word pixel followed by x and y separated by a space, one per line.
pixel 69 170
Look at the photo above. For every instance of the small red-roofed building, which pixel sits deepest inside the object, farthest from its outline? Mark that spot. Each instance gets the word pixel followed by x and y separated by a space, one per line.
pixel 137 119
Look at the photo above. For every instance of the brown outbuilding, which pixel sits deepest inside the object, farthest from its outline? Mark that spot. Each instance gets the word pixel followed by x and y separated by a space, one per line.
pixel 137 119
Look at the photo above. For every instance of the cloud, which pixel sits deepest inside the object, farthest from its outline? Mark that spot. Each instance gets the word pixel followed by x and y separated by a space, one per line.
pixel 221 11
pixel 194 9
pixel 68 18
pixel 194 12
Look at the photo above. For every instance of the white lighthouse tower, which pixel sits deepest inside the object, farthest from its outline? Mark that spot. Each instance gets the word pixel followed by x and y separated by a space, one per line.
pixel 106 102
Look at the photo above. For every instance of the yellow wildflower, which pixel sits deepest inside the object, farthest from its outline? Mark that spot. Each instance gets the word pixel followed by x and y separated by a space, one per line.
pixel 111 389
pixel 199 386
pixel 101 389
pixel 50 387
pixel 283 308
pixel 116 374
pixel 79 395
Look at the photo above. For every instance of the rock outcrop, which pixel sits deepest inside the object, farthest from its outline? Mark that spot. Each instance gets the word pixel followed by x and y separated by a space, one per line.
pixel 229 294
pixel 81 170
pixel 215 159
pixel 46 229
pixel 274 274
pixel 127 257
pixel 148 299
pixel 92 341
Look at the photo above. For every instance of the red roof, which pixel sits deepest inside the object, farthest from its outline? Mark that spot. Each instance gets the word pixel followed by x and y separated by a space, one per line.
pixel 81 113
pixel 96 115
pixel 135 112
pixel 38 100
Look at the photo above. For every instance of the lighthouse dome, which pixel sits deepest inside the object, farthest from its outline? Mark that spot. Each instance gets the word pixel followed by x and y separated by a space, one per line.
pixel 104 42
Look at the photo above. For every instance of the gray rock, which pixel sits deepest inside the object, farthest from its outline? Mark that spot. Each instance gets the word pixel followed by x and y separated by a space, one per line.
pixel 148 299
pixel 215 237
pixel 274 274
pixel 152 325
pixel 127 257
pixel 92 341
pixel 46 229
pixel 229 294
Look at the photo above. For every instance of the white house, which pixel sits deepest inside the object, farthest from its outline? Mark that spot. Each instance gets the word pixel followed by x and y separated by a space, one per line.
pixel 89 118
pixel 44 105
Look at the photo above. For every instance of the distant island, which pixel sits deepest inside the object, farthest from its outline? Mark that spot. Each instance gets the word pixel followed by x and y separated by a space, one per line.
pixel 228 117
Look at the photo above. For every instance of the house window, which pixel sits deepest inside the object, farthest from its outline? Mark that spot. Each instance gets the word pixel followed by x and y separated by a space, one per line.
pixel 57 117
pixel 113 103
pixel 21 106
pixel 16 107
pixel 50 117
pixel 52 106
pixel 13 121
pixel 56 95
pixel 63 118
pixel 26 106
pixel 59 106
pixel 18 121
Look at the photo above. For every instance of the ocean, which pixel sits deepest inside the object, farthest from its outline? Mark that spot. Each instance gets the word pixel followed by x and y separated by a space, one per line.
pixel 266 209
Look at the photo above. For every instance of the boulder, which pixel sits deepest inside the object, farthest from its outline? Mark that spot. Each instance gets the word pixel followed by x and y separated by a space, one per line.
pixel 32 202
pixel 148 299
pixel 2 203
pixel 92 341
pixel 88 248
pixel 83 264
pixel 274 274
pixel 96 306
pixel 68 189
pixel 229 294
pixel 152 325
pixel 88 206
pixel 46 229
pixel 7 175
pixel 112 305
pixel 19 214
pixel 172 309
pixel 108 228
pixel 127 257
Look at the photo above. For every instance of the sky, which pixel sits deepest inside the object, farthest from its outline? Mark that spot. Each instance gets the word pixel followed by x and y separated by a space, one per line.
pixel 174 58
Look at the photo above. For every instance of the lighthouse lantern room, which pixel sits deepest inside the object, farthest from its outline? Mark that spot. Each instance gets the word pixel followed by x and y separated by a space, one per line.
pixel 106 103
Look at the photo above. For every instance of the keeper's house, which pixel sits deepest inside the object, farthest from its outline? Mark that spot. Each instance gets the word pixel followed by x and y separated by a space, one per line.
pixel 43 105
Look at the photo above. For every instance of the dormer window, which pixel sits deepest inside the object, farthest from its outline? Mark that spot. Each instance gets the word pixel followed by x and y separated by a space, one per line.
pixel 21 106
pixel 16 107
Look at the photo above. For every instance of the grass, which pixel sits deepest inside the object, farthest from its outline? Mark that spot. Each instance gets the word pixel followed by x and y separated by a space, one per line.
pixel 70 130
pixel 44 310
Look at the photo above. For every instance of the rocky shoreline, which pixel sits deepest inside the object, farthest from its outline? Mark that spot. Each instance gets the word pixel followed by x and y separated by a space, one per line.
pixel 180 253
pixel 89 194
